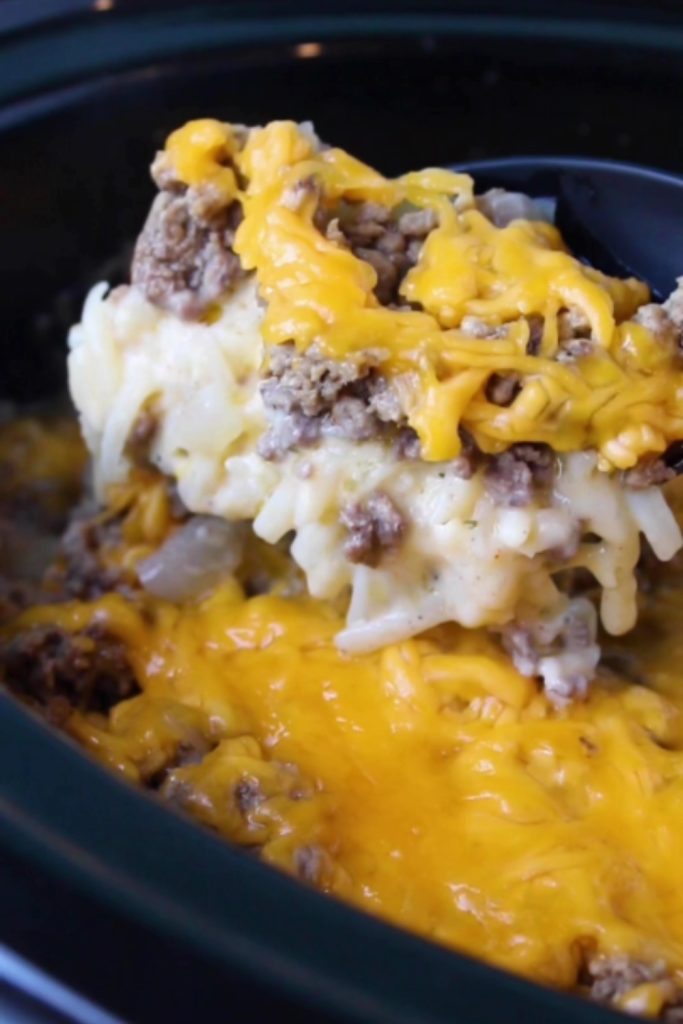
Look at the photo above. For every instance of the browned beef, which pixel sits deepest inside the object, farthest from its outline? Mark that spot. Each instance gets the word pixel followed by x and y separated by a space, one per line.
pixel 574 335
pixel 381 398
pixel 417 223
pixel 388 240
pixel 407 444
pixel 313 865
pixel 389 268
pixel 512 477
pixel 674 304
pixel 81 571
pixel 248 794
pixel 657 320
pixel 308 382
pixel 191 749
pixel 475 327
pixel 374 527
pixel 528 643
pixel 573 349
pixel 141 437
pixel 610 978
pixel 179 510
pixel 649 472
pixel 665 320
pixel 503 388
pixel 307 395
pixel 572 323
pixel 295 197
pixel 352 418
pixel 183 258
pixel 288 430
pixel 58 671
pixel 466 464
pixel 536 324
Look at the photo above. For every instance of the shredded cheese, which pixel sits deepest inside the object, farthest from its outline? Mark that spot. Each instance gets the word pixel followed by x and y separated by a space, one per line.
pixel 623 399
pixel 449 795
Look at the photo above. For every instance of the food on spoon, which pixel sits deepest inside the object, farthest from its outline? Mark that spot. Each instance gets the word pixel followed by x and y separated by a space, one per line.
pixel 443 408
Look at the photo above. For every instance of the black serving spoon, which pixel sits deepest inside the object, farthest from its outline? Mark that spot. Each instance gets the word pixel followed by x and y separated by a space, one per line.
pixel 621 218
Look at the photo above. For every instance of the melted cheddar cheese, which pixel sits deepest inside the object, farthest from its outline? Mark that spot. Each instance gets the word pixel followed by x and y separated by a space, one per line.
pixel 429 782
pixel 444 791
pixel 623 399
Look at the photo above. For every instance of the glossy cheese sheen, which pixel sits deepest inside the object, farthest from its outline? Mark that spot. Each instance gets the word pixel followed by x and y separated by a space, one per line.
pixel 624 399
pixel 449 796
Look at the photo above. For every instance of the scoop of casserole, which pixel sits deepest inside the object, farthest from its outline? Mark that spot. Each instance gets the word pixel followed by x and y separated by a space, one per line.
pixel 443 413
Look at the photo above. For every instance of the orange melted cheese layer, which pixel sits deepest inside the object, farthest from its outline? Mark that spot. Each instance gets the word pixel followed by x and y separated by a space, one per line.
pixel 624 399
pixel 452 798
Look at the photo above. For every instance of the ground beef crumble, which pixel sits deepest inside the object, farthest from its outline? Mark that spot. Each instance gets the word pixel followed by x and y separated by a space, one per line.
pixel 470 459
pixel 574 335
pixel 407 444
pixel 374 527
pixel 527 644
pixel 502 389
pixel 308 396
pixel 307 381
pixel 572 323
pixel 389 240
pixel 475 327
pixel 536 324
pixel 313 864
pixel 512 478
pixel 573 349
pixel 657 320
pixel 142 435
pixel 191 749
pixel 183 259
pixel 248 794
pixel 612 977
pixel 80 571
pixel 608 979
pixel 560 649
pixel 674 304
pixel 649 472
pixel 57 671
pixel 665 320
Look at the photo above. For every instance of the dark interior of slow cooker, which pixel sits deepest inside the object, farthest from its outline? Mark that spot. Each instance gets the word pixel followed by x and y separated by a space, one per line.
pixel 75 186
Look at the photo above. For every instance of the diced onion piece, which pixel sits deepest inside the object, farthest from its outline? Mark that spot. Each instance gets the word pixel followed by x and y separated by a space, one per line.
pixel 194 559
pixel 502 207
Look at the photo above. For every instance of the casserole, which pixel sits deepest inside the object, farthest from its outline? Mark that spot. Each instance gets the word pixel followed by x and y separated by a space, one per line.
pixel 43 342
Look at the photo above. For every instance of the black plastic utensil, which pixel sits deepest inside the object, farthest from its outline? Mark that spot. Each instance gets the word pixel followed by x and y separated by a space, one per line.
pixel 620 218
